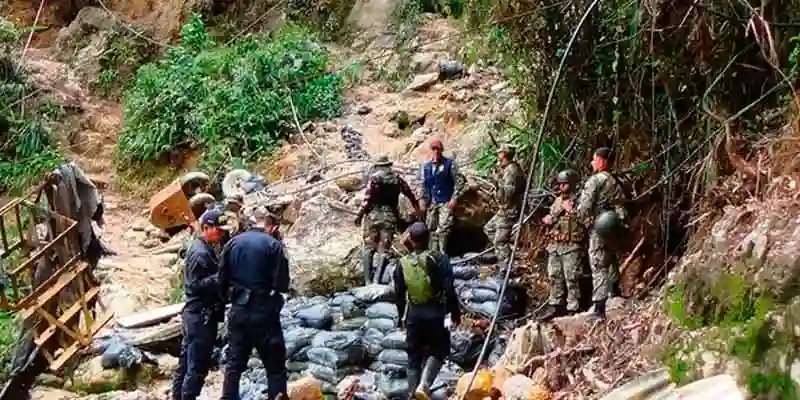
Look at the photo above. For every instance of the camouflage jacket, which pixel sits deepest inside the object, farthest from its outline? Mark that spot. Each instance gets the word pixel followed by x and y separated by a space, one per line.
pixel 601 192
pixel 567 231
pixel 510 188
pixel 383 193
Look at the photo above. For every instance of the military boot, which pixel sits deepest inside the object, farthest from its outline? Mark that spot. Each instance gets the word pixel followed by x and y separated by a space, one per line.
pixel 599 311
pixel 412 377
pixel 553 311
pixel 429 374
pixel 366 265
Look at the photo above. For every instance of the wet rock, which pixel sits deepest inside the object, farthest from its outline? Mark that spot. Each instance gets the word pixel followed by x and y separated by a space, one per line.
pixel 364 110
pixel 150 243
pixel 450 69
pixel 350 183
pixel 422 62
pixel 423 82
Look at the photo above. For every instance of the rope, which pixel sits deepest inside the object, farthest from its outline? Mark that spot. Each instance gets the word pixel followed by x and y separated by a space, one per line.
pixel 527 189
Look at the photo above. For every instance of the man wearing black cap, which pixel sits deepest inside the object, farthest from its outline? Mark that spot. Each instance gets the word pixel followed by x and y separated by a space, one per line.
pixel 424 281
pixel 254 273
pixel 203 309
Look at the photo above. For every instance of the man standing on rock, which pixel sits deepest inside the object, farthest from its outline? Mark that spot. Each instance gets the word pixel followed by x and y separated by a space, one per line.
pixel 254 274
pixel 601 192
pixel 567 233
pixel 424 281
pixel 380 206
pixel 509 194
pixel 204 307
pixel 441 186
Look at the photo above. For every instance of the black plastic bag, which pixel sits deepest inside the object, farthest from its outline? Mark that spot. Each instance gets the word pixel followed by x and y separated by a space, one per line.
pixel 372 342
pixel 465 347
pixel 381 324
pixel 465 272
pixel 373 293
pixel 337 340
pixel 383 310
pixel 393 389
pixel 327 356
pixel 478 295
pixel 298 338
pixel 352 324
pixel 394 356
pixel 394 340
pixel 317 316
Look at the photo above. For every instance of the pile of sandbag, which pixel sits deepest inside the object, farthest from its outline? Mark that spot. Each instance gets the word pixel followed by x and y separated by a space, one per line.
pixel 356 335
pixel 480 296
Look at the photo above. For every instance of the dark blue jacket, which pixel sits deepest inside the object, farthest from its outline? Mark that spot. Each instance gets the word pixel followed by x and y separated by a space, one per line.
pixel 200 283
pixel 439 185
pixel 254 271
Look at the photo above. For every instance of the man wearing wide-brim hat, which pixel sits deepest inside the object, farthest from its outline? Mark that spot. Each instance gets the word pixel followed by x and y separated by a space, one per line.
pixel 510 191
pixel 384 187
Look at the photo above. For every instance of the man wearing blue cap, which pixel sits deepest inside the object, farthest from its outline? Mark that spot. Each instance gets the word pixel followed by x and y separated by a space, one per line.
pixel 424 281
pixel 203 307
pixel 254 273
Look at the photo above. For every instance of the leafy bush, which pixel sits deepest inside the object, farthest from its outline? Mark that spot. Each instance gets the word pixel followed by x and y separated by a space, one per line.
pixel 230 101
pixel 27 149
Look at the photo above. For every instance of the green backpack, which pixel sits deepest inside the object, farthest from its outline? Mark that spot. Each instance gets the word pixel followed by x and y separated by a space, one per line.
pixel 415 274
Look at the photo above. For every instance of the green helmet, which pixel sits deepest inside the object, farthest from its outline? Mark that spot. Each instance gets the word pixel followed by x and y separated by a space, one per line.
pixel 567 176
pixel 607 223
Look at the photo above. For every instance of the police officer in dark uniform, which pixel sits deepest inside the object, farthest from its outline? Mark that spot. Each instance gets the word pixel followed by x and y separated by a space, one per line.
pixel 424 282
pixel 254 273
pixel 204 307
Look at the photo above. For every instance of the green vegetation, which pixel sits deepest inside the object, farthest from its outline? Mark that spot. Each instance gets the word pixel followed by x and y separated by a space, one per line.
pixel 735 318
pixel 27 148
pixel 123 55
pixel 230 101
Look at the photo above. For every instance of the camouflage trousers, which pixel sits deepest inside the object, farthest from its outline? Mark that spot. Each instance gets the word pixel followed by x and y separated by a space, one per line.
pixel 563 269
pixel 378 230
pixel 439 220
pixel 603 263
pixel 498 230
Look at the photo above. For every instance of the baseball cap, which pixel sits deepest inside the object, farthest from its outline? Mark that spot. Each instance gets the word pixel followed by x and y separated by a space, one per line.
pixel 437 144
pixel 215 218
pixel 417 230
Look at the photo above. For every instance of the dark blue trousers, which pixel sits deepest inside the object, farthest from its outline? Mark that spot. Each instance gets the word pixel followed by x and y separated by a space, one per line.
pixel 199 337
pixel 247 330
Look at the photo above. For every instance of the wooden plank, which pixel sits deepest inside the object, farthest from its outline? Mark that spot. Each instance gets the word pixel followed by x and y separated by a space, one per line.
pixel 150 317
pixel 51 287
pixel 69 314
pixel 12 203
pixel 35 256
pixel 70 352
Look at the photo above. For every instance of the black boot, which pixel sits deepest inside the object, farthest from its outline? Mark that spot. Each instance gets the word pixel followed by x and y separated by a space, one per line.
pixel 599 310
pixel 429 374
pixel 366 265
pixel 552 312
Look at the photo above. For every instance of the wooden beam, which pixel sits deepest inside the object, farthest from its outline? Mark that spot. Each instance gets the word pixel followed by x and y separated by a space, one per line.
pixel 69 314
pixel 70 352
pixel 35 256
pixel 150 317
pixel 52 286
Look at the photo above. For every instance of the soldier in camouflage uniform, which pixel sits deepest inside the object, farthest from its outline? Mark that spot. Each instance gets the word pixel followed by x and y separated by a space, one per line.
pixel 380 207
pixel 601 192
pixel 442 184
pixel 510 190
pixel 566 237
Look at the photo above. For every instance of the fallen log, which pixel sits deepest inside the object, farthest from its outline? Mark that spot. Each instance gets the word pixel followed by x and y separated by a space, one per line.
pixel 150 317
